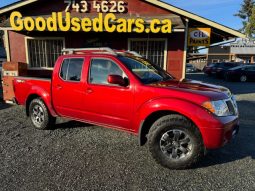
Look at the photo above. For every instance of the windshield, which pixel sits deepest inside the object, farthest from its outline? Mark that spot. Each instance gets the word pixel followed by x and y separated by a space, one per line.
pixel 144 70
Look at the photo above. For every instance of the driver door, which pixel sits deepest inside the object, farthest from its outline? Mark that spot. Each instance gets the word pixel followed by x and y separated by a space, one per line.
pixel 107 103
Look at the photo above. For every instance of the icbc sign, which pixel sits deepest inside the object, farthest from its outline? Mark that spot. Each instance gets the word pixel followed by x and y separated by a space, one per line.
pixel 199 37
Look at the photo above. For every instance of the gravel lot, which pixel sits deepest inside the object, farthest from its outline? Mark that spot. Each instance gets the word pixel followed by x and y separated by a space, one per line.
pixel 76 156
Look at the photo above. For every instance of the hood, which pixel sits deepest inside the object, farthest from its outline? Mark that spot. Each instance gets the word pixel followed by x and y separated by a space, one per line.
pixel 213 92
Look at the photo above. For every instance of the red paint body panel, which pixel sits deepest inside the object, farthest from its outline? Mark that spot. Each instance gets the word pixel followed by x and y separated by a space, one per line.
pixel 125 108
pixel 25 87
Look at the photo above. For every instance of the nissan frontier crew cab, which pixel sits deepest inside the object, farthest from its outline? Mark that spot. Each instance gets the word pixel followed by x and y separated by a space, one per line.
pixel 179 120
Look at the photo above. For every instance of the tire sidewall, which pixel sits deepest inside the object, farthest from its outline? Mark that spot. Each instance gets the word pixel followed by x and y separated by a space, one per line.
pixel 40 103
pixel 155 137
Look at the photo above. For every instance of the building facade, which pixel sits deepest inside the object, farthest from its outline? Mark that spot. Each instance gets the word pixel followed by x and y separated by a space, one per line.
pixel 41 49
pixel 240 51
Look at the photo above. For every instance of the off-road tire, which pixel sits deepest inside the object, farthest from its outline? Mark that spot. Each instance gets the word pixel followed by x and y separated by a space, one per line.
pixel 173 123
pixel 47 122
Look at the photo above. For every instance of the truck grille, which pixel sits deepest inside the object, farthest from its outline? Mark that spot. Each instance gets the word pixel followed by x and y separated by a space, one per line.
pixel 232 106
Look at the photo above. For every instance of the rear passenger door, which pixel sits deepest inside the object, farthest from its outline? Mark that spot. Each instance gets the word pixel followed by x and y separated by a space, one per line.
pixel 68 88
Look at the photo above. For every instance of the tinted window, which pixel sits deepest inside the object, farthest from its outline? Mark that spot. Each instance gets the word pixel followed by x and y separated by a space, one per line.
pixel 144 70
pixel 100 69
pixel 252 68
pixel 63 71
pixel 237 68
pixel 228 65
pixel 71 69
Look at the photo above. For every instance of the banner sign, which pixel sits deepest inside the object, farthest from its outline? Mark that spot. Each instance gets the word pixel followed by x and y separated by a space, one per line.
pixel 109 18
pixel 199 37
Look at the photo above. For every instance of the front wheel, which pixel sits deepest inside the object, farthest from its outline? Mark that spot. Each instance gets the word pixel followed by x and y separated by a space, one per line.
pixel 39 115
pixel 175 142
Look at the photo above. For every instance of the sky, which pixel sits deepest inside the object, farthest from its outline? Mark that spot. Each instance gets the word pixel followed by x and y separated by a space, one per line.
pixel 220 11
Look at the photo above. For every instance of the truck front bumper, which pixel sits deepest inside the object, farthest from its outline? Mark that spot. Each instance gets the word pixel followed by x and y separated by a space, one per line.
pixel 221 133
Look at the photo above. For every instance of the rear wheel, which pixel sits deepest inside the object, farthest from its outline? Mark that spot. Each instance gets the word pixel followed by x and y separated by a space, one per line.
pixel 243 78
pixel 39 115
pixel 175 142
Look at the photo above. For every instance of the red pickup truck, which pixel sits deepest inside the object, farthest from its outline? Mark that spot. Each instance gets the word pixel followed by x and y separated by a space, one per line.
pixel 178 119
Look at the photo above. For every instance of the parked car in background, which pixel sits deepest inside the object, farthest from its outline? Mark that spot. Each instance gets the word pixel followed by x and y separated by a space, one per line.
pixel 220 69
pixel 242 73
pixel 209 67
pixel 190 68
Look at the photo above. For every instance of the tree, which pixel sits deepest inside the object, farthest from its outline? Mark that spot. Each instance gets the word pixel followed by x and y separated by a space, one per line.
pixel 245 13
pixel 250 25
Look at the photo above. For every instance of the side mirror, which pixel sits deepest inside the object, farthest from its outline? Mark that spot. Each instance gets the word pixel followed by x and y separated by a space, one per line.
pixel 117 80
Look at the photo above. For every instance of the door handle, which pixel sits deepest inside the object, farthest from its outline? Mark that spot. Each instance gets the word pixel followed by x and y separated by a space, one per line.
pixel 89 91
pixel 59 87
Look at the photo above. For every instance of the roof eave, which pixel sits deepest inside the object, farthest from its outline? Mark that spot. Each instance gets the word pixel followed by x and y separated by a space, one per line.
pixel 15 6
pixel 196 17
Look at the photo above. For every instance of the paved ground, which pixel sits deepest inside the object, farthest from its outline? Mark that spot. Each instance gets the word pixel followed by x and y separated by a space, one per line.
pixel 77 156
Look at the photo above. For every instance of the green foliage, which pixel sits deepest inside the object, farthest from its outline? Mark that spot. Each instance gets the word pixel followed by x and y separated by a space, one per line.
pixel 246 9
pixel 247 14
pixel 250 25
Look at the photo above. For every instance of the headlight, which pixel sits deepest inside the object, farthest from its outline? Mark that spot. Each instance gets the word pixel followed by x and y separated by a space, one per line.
pixel 219 108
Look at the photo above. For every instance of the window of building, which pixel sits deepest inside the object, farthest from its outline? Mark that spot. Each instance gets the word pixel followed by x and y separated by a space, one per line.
pixel 100 69
pixel 43 53
pixel 71 69
pixel 154 50
pixel 215 60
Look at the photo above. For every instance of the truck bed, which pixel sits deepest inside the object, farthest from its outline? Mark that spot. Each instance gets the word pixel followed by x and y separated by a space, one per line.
pixel 45 74
pixel 25 86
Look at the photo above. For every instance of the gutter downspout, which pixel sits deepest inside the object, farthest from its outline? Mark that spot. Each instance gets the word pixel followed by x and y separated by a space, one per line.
pixel 185 50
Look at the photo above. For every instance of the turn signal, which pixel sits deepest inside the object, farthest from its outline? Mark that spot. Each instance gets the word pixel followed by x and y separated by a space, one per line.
pixel 208 105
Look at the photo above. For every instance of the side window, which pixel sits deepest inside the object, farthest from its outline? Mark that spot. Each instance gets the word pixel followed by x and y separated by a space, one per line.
pixel 250 68
pixel 100 69
pixel 71 69
pixel 64 67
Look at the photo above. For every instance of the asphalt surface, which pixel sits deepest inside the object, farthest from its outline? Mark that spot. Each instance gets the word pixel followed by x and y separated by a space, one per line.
pixel 77 156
